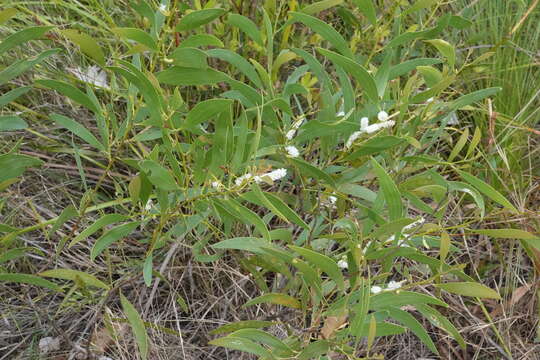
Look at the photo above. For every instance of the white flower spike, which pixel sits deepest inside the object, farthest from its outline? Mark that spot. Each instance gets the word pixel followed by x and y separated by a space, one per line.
pixel 342 264
pixel 376 289
pixel 378 126
pixel 382 116
pixel 355 135
pixel 394 285
pixel 290 134
pixel 364 123
pixel 292 151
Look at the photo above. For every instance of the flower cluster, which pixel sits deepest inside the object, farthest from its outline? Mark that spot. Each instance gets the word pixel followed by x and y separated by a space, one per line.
pixel 291 133
pixel 382 116
pixel 272 175
pixel 392 285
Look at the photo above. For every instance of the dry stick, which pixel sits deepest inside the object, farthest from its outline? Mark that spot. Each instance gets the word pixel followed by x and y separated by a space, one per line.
pixel 524 17
pixel 168 257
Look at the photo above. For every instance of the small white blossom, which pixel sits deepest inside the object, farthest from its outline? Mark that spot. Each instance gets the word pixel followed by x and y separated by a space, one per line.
pixel 430 100
pixel 239 181
pixel 376 289
pixel 355 135
pixel 378 126
pixel 332 199
pixel 290 134
pixel 93 75
pixel 292 151
pixel 216 184
pixel 364 123
pixel 163 8
pixel 453 119
pixel 277 174
pixel 149 205
pixel 342 264
pixel 340 113
pixel 382 116
pixel 394 285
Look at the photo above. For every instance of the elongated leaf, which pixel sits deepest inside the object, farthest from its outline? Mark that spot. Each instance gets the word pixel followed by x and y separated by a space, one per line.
pixel 19 67
pixel 507 234
pixel 137 35
pixel 364 79
pixel 314 350
pixel 473 97
pixel 12 123
pixel 7 14
pixel 390 191
pixel 468 189
pixel 409 65
pixel 197 18
pixel 111 236
pixel 158 175
pixel 238 343
pixel 137 326
pixel 99 224
pixel 410 322
pixel 245 215
pixel 88 45
pixel 199 40
pixel 252 244
pixel 419 5
pixel 289 213
pixel 177 75
pixel 309 170
pixel 446 49
pixel 487 190
pixel 78 129
pixel 70 91
pixel 239 62
pixel 247 26
pixel 275 298
pixel 469 289
pixel 14 165
pixel 260 336
pixel 69 274
pixel 13 94
pixel 238 325
pixel 374 146
pixel 205 110
pixel 29 279
pixel 325 30
pixel 323 263
pixel 23 36
pixel 319 6
pixel 368 9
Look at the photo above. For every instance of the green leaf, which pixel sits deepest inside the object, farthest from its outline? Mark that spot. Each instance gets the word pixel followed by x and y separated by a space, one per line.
pixel 386 300
pixel 363 78
pixel 68 274
pixel 309 170
pixel 260 336
pixel 111 236
pixel 487 190
pixel 78 129
pixel 7 14
pixel 389 190
pixel 19 67
pixel 238 343
pixel 205 110
pixel 275 298
pixel 469 289
pixel 13 253
pixel 88 45
pixel 23 36
pixel 468 189
pixel 247 26
pixel 13 94
pixel 158 175
pixel 99 224
pixel 14 165
pixel 197 18
pixel 286 211
pixel 190 57
pixel 245 215
pixel 323 263
pixel 137 35
pixel 239 62
pixel 29 279
pixel 410 322
pixel 440 321
pixel 367 8
pixel 252 244
pixel 325 30
pixel 459 145
pixel 374 146
pixel 431 75
pixel 319 6
pixel 419 5
pixel 137 326
pixel 147 270
pixel 314 350
pixel 12 123
pixel 473 97
pixel 409 65
pixel 246 324
pixel 70 91
pixel 507 234
pixel 177 75
pixel 199 40
pixel 445 48
pixel 67 214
